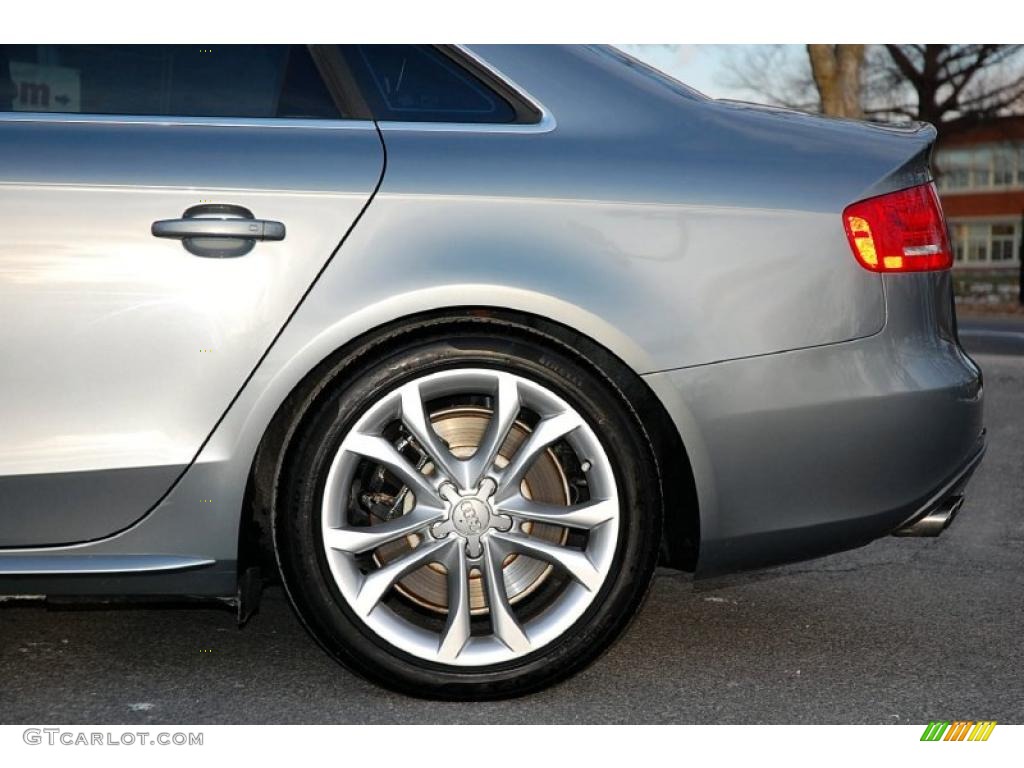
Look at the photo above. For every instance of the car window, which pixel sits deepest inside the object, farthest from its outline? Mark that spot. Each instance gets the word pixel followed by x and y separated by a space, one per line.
pixel 420 83
pixel 164 80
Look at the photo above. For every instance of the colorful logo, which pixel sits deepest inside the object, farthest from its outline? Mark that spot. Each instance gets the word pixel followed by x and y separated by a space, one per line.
pixel 958 730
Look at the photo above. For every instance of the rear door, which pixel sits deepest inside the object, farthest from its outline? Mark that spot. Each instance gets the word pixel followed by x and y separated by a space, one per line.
pixel 163 210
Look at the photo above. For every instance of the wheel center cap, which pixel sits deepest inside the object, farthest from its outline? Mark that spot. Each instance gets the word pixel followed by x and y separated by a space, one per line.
pixel 470 516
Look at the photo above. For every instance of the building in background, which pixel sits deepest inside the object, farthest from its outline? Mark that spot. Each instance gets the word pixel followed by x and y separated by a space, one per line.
pixel 981 183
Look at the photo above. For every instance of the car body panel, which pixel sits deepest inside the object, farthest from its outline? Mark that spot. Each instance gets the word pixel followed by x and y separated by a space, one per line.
pixel 123 350
pixel 803 453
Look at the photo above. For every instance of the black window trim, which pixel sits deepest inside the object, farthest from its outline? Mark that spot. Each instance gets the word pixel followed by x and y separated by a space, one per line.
pixel 340 82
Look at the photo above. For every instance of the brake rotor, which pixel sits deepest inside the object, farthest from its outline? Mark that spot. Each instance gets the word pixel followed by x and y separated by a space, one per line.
pixel 463 428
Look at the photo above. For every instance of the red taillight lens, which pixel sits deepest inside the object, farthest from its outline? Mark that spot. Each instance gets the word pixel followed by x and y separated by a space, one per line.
pixel 903 231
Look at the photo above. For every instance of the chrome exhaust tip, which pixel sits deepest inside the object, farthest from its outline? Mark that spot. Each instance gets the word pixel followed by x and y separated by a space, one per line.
pixel 935 522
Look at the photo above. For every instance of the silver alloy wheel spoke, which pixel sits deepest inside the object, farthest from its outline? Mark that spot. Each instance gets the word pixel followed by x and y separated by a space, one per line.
pixel 377 448
pixel 457 630
pixel 377 583
pixel 503 415
pixel 504 623
pixel 414 417
pixel 585 516
pixel 466 517
pixel 356 540
pixel 549 430
pixel 572 561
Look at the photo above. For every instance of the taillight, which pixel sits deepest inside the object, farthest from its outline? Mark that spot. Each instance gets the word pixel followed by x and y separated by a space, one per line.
pixel 903 231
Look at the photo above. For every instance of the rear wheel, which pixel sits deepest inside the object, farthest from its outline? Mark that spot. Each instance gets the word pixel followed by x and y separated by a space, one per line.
pixel 469 517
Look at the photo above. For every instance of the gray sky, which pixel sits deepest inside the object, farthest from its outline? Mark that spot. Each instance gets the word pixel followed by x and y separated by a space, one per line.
pixel 699 66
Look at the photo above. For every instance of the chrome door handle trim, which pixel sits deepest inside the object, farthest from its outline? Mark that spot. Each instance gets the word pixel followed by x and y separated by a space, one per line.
pixel 248 229
pixel 218 230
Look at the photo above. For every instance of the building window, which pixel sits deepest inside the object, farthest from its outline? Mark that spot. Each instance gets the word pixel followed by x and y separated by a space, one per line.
pixel 1004 167
pixel 983 167
pixel 985 243
pixel 976 245
pixel 955 169
pixel 1003 242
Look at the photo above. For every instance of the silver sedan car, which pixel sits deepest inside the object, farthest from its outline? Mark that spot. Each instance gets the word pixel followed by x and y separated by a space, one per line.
pixel 459 344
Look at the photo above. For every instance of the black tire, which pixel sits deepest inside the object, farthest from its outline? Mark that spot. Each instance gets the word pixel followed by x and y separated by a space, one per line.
pixel 367 375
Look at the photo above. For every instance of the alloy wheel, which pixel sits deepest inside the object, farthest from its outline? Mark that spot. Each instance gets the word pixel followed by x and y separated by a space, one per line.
pixel 470 517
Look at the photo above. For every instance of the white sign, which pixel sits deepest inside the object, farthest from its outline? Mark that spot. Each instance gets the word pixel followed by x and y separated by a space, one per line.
pixel 45 88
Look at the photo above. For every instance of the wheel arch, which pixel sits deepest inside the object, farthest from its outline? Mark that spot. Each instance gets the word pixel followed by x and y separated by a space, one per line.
pixel 681 529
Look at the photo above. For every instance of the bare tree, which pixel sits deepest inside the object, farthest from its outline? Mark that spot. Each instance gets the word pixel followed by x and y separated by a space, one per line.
pixel 770 73
pixel 837 74
pixel 952 86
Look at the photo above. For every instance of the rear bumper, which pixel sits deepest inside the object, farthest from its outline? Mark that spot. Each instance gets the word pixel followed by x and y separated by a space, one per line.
pixel 936 514
pixel 804 453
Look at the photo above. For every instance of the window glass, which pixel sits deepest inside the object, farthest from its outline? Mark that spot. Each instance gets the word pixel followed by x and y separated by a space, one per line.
pixel 172 80
pixel 1004 167
pixel 419 83
pixel 954 167
pixel 985 242
pixel 1002 242
pixel 981 166
pixel 977 242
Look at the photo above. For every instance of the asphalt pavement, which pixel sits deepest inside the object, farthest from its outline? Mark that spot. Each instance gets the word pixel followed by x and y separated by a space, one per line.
pixel 993 335
pixel 900 631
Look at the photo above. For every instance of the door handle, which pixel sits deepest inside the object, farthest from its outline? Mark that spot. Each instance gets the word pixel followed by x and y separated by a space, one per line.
pixel 218 230
pixel 248 229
